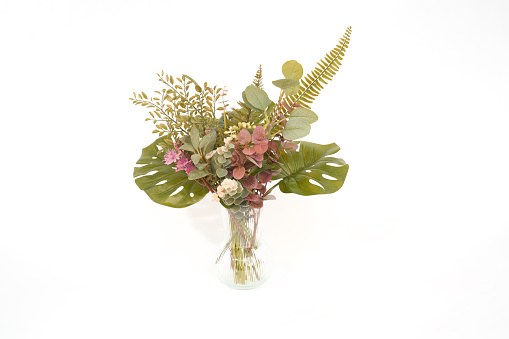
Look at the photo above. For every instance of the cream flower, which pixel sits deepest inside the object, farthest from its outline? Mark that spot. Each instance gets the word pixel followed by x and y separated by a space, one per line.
pixel 210 154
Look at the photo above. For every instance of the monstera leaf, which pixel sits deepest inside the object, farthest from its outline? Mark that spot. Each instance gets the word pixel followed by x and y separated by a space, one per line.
pixel 311 162
pixel 161 182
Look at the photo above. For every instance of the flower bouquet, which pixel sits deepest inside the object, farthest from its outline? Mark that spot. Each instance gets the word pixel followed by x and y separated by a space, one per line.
pixel 239 155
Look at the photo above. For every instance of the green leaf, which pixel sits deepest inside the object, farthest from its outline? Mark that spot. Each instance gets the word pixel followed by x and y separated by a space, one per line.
pixel 221 172
pixel 292 90
pixel 257 97
pixel 208 141
pixel 187 147
pixel 198 87
pixel 310 162
pixel 292 70
pixel 304 113
pixel 195 137
pixel 186 139
pixel 164 193
pixel 296 128
pixel 286 83
pixel 197 174
pixel 195 158
pixel 325 70
pixel 244 98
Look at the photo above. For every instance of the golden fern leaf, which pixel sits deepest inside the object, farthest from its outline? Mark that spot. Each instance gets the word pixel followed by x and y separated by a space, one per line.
pixel 258 78
pixel 312 84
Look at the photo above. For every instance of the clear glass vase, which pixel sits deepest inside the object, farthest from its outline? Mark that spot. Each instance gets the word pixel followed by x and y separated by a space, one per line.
pixel 245 260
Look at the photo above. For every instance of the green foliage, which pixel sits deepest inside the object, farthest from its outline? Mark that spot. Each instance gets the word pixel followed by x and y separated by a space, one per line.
pixel 185 110
pixel 299 123
pixel 243 114
pixel 207 142
pixel 237 197
pixel 182 105
pixel 286 83
pixel 258 78
pixel 256 97
pixel 313 83
pixel 304 113
pixel 311 162
pixel 161 185
pixel 292 70
pixel 296 129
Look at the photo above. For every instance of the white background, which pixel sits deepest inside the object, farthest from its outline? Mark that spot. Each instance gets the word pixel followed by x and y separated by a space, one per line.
pixel 413 246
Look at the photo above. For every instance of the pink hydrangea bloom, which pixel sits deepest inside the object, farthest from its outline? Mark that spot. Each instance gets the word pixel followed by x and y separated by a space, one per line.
pixel 185 164
pixel 170 157
pixel 189 166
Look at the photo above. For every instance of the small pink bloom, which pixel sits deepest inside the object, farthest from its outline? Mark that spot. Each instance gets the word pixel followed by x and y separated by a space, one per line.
pixel 170 157
pixel 184 164
pixel 189 166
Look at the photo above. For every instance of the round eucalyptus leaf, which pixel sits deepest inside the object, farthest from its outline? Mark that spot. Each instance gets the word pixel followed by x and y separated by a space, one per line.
pixel 292 70
pixel 296 128
pixel 257 97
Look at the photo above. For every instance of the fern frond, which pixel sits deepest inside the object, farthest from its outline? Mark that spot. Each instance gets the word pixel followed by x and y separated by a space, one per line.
pixel 326 68
pixel 258 78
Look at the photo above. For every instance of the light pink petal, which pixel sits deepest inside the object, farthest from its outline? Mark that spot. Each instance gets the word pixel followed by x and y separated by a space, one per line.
pixel 244 137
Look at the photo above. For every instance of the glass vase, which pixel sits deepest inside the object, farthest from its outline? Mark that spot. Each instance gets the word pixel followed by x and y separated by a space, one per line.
pixel 245 260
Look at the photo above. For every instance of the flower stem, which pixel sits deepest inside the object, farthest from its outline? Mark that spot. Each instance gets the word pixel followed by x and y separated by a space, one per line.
pixel 270 189
pixel 238 227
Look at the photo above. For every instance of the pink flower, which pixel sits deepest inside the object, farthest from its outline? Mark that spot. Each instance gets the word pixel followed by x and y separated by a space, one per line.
pixel 185 164
pixel 189 167
pixel 170 157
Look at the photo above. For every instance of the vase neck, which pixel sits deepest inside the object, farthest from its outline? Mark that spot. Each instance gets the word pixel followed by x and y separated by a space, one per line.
pixel 242 223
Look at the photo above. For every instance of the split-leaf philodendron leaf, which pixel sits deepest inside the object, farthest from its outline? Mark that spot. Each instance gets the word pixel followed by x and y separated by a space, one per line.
pixel 310 162
pixel 164 193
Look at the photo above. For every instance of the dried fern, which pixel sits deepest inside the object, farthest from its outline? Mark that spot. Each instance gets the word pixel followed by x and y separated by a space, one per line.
pixel 258 78
pixel 311 84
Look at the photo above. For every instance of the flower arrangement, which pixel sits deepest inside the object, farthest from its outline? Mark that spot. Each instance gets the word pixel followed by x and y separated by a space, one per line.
pixel 204 146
